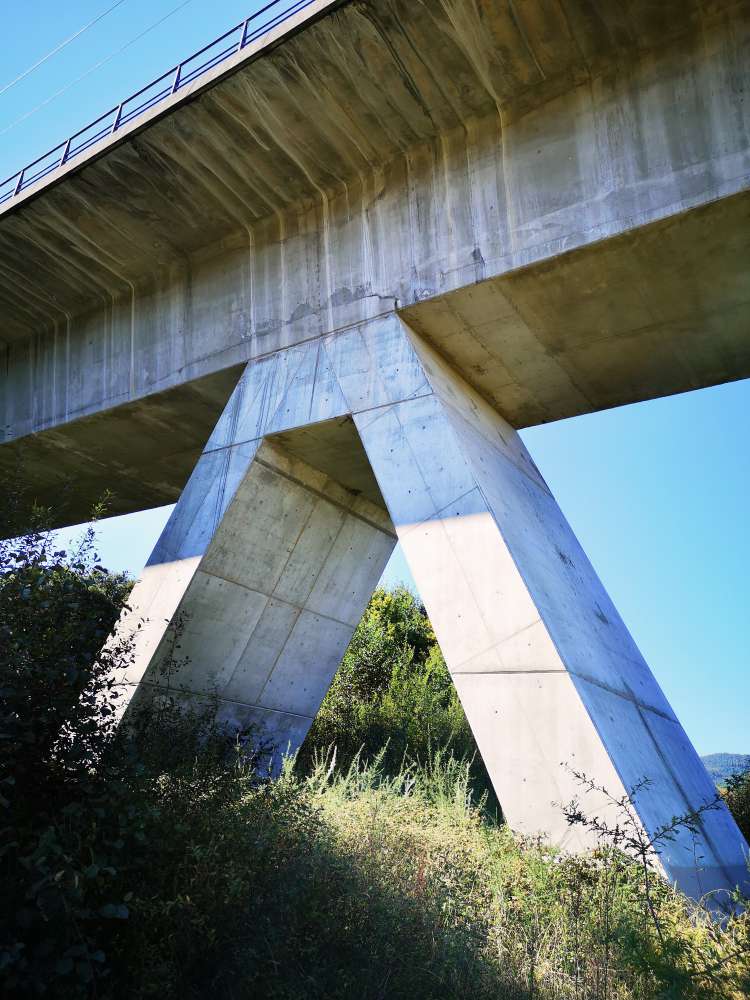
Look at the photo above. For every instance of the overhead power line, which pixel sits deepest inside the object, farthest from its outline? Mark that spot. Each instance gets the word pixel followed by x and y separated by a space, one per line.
pixel 57 48
pixel 92 69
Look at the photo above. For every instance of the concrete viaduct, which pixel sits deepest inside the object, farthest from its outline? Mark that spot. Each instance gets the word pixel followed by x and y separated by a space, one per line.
pixel 313 296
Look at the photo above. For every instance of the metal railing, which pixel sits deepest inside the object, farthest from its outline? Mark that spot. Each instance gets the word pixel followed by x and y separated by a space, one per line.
pixel 168 83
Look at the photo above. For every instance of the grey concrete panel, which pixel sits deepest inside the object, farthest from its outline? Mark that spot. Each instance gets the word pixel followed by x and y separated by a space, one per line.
pixel 278 511
pixel 207 494
pixel 375 371
pixel 218 618
pixel 281 733
pixel 406 439
pixel 527 724
pixel 153 604
pixel 311 550
pixel 287 389
pixel 646 743
pixel 259 656
pixel 306 665
pixel 344 583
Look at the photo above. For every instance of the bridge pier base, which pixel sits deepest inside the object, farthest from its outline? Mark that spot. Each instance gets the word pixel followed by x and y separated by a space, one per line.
pixel 326 453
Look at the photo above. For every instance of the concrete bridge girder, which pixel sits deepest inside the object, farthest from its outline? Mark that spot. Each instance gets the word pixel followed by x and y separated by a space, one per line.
pixel 570 240
pixel 324 455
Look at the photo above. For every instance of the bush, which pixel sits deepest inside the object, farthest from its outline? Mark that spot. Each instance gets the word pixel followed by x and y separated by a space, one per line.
pixel 63 826
pixel 393 691
pixel 737 796
pixel 151 861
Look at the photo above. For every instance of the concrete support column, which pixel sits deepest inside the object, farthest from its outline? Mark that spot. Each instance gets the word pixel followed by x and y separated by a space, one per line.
pixel 546 670
pixel 262 572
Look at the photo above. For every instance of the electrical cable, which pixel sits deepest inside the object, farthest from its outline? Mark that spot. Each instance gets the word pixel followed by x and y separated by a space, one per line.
pixel 102 62
pixel 58 48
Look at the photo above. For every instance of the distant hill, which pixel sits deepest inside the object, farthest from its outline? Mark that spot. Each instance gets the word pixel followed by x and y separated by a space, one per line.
pixel 721 765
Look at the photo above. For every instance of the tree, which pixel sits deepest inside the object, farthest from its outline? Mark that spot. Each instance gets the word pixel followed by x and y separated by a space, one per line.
pixel 61 832
pixel 393 693
pixel 737 796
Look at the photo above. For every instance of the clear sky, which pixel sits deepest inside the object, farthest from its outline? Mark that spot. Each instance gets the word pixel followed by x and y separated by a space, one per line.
pixel 658 493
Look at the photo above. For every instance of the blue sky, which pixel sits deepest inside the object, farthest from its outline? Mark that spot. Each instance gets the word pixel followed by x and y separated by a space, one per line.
pixel 658 493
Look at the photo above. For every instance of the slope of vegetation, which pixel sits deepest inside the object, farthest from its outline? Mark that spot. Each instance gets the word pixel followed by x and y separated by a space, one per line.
pixel 153 862
pixel 722 766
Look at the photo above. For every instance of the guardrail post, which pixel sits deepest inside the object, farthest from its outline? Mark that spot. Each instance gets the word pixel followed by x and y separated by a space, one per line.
pixel 176 83
pixel 244 32
pixel 19 182
pixel 116 122
pixel 65 152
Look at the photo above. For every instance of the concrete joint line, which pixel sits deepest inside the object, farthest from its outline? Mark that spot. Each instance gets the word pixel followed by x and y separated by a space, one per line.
pixel 233 444
pixel 438 515
pixel 208 696
pixel 690 805
pixel 323 496
pixel 394 402
pixel 272 597
pixel 199 363
pixel 495 645
pixel 625 695
pixel 278 655
pixel 341 416
pixel 510 671
pixel 265 708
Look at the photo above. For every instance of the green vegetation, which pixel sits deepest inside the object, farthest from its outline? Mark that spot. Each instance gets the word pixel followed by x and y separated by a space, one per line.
pixel 736 793
pixel 151 861
pixel 393 696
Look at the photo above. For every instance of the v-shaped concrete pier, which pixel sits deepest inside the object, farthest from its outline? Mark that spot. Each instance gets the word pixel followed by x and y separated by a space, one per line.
pixel 324 455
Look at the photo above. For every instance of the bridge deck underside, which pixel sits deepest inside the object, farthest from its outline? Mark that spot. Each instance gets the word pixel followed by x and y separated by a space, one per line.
pixel 655 311
pixel 556 199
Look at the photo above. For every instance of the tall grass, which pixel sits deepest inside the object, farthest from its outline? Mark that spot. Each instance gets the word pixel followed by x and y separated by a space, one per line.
pixel 539 923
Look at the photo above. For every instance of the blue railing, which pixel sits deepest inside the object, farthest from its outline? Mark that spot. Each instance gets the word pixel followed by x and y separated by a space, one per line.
pixel 168 83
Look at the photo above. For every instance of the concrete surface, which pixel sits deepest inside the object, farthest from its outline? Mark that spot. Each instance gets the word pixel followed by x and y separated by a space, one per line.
pixel 279 538
pixel 254 589
pixel 556 199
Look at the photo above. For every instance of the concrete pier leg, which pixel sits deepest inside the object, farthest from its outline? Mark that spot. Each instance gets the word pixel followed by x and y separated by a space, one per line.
pixel 546 670
pixel 264 568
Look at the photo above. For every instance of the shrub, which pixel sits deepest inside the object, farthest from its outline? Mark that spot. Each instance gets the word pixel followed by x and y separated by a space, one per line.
pixel 393 691
pixel 151 861
pixel 737 796
pixel 63 826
